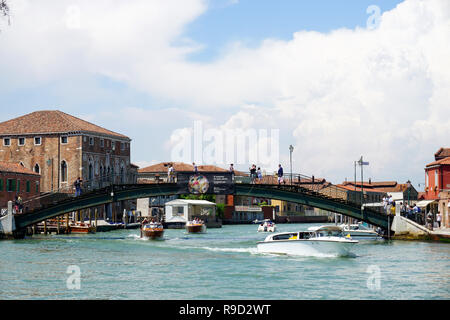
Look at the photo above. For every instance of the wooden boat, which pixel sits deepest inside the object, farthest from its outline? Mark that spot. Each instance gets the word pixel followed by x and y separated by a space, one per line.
pixel 152 230
pixel 81 227
pixel 195 227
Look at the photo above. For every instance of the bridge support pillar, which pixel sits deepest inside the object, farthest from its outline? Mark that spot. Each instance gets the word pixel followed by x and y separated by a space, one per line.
pixel 8 228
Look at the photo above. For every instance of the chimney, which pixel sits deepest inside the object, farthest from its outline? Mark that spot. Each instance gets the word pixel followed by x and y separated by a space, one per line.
pixel 370 180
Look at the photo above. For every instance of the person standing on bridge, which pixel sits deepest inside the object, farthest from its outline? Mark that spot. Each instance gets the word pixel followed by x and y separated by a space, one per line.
pixel 195 168
pixel 280 174
pixel 77 185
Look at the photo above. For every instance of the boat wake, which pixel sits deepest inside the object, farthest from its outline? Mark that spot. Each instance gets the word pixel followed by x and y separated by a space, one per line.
pixel 239 250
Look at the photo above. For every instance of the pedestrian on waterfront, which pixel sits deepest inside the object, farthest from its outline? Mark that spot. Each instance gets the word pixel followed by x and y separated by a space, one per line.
pixel 430 220
pixel 439 219
pixel 77 185
pixel 280 174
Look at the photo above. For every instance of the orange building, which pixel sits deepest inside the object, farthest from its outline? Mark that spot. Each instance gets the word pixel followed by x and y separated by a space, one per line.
pixel 437 183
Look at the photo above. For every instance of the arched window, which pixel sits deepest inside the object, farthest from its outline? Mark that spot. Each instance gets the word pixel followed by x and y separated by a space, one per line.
pixel 63 171
pixel 91 172
pixel 37 169
pixel 122 176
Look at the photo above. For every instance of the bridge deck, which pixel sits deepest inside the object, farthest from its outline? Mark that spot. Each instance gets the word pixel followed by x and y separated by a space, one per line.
pixel 116 193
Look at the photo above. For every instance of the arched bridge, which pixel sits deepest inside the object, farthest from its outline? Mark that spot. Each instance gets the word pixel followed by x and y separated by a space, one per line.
pixel 116 193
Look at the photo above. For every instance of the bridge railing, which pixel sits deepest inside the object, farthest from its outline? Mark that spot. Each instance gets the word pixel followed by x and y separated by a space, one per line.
pixel 69 191
pixel 308 184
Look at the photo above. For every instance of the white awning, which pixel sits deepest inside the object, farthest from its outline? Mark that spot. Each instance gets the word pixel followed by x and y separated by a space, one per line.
pixel 424 203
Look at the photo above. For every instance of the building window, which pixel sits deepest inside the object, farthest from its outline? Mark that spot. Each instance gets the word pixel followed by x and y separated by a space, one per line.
pixel 37 186
pixel 91 172
pixel 37 169
pixel 64 140
pixel 6 142
pixel 91 141
pixel 113 145
pixel 436 178
pixel 28 186
pixel 37 141
pixel 122 146
pixel 63 171
pixel 102 143
pixel 21 141
pixel 1 184
pixel 10 185
pixel 18 186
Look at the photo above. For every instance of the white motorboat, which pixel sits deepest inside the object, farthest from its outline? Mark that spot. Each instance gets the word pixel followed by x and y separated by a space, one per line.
pixel 267 226
pixel 324 240
pixel 360 232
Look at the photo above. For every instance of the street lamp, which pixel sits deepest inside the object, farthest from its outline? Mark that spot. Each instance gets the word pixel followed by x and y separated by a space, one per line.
pixel 291 149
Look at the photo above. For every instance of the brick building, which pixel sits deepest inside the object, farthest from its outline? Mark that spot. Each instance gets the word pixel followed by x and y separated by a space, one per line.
pixel 437 183
pixel 15 180
pixel 61 148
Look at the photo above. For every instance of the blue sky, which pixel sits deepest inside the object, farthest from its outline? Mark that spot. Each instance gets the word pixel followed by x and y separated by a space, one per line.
pixel 251 21
pixel 147 68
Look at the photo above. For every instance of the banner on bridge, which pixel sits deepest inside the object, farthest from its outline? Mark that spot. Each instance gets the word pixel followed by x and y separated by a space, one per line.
pixel 205 183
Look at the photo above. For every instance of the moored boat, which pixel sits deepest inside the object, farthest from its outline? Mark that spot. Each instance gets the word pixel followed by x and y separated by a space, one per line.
pixel 81 227
pixel 152 230
pixel 195 226
pixel 324 240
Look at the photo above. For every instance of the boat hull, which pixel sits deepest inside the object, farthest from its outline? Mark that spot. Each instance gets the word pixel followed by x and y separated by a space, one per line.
pixel 307 247
pixel 152 234
pixel 196 228
pixel 82 229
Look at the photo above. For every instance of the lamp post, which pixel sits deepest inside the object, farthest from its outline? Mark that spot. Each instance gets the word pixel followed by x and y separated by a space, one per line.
pixel 408 183
pixel 362 164
pixel 291 149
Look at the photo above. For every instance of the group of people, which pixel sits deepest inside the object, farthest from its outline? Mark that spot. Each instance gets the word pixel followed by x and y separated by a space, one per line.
pixel 197 221
pixel 414 213
pixel 18 204
pixel 255 174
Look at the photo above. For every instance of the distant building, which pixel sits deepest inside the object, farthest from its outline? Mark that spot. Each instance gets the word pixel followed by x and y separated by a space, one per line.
pixel 16 180
pixel 402 191
pixel 61 148
pixel 437 184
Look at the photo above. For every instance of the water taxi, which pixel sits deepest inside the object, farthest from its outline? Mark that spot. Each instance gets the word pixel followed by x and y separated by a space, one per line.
pixel 81 227
pixel 152 230
pixel 360 232
pixel 267 226
pixel 195 226
pixel 323 240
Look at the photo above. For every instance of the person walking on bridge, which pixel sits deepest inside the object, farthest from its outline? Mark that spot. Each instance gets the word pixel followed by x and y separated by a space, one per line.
pixel 77 185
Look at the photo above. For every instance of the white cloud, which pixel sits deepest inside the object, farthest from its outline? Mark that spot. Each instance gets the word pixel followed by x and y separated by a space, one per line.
pixel 381 93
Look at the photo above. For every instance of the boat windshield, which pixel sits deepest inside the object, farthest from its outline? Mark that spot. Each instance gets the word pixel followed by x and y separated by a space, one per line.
pixel 329 233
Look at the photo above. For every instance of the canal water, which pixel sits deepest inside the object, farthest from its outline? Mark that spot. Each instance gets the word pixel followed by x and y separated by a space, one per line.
pixel 221 264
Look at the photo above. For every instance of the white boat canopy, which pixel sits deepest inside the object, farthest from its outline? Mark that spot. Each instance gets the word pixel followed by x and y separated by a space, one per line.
pixel 424 203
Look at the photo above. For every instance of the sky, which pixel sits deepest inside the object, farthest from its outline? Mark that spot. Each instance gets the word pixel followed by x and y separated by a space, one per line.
pixel 337 79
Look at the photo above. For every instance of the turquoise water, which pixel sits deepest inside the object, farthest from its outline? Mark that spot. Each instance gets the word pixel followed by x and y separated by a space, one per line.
pixel 221 264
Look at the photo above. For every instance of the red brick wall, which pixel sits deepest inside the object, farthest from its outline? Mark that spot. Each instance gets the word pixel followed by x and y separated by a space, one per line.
pixel 6 196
